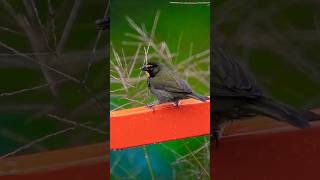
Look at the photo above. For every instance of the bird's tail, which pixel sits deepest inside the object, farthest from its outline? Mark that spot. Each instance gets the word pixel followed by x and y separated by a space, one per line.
pixel 281 112
pixel 200 98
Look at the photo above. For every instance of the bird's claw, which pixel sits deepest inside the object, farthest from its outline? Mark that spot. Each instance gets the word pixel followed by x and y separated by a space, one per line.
pixel 176 104
pixel 149 106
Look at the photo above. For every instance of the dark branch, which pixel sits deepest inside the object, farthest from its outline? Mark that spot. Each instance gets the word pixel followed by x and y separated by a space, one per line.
pixel 68 26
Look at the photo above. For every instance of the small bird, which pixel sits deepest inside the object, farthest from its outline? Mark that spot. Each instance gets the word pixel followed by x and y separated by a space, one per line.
pixel 237 96
pixel 166 85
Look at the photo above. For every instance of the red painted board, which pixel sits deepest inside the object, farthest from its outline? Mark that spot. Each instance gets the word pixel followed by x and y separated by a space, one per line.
pixel 78 163
pixel 96 171
pixel 275 154
pixel 165 122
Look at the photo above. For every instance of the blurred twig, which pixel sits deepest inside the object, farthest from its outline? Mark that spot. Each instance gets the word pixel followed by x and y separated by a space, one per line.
pixel 93 56
pixel 29 89
pixel 68 26
pixel 43 138
pixel 76 124
pixel 146 156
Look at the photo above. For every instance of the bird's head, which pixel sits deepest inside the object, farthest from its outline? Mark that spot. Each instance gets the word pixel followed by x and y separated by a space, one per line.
pixel 151 68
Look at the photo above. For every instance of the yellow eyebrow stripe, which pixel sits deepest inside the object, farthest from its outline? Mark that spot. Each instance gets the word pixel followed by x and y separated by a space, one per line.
pixel 148 65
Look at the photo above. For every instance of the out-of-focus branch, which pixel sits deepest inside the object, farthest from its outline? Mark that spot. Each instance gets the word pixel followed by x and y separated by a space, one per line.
pixel 19 138
pixel 32 12
pixel 68 26
pixel 11 31
pixel 76 124
pixel 21 20
pixel 28 89
pixel 37 39
pixel 95 47
pixel 66 59
pixel 43 138
pixel 40 63
pixel 99 104
pixel 35 25
pixel 51 26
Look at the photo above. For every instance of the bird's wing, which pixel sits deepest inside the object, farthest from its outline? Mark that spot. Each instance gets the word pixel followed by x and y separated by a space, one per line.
pixel 185 86
pixel 170 82
pixel 229 79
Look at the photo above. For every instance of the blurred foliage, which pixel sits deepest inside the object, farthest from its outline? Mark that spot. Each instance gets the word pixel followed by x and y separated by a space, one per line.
pixel 177 35
pixel 278 41
pixel 44 88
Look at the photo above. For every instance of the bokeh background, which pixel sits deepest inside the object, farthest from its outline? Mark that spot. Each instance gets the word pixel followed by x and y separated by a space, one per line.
pixel 178 35
pixel 52 73
pixel 278 41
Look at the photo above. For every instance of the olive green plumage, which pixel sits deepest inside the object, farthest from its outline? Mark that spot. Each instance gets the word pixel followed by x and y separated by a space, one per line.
pixel 166 85
pixel 237 96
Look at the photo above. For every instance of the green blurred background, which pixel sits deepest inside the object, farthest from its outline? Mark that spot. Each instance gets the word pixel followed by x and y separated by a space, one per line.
pixel 28 106
pixel 186 31
pixel 278 41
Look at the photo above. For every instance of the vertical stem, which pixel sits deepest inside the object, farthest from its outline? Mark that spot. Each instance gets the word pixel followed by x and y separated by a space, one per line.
pixel 148 162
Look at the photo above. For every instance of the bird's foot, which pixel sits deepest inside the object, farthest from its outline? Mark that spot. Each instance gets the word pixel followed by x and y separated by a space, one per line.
pixel 150 106
pixel 176 104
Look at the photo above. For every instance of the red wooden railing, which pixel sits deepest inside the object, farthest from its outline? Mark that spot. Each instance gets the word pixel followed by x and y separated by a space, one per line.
pixel 258 148
pixel 129 128
pixel 165 122
pixel 81 163
pixel 261 148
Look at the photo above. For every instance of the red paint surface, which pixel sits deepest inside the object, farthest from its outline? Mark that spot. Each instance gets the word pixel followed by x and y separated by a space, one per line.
pixel 96 171
pixel 294 154
pixel 140 126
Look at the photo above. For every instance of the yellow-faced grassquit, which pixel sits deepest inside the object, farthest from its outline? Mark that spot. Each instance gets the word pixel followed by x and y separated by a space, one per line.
pixel 166 85
pixel 236 96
